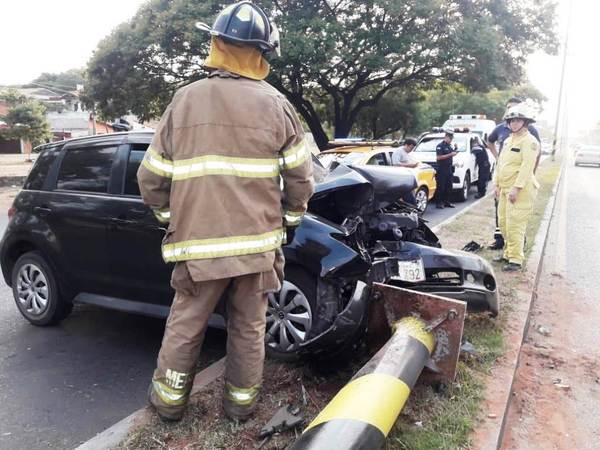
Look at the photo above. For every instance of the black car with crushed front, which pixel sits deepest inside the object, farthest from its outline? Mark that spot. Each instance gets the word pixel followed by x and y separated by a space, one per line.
pixel 79 232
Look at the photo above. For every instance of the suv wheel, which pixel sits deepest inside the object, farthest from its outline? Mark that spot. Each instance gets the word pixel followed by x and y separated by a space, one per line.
pixel 290 315
pixel 463 194
pixel 36 291
pixel 422 198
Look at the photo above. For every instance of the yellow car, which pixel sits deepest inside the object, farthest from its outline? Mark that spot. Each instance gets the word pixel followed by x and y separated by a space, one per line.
pixel 379 154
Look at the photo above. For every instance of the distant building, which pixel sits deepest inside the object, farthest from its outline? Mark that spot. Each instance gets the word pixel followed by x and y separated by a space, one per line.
pixel 71 124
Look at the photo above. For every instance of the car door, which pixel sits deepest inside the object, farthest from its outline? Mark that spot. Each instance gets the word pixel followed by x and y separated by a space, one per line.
pixel 134 238
pixel 472 161
pixel 75 209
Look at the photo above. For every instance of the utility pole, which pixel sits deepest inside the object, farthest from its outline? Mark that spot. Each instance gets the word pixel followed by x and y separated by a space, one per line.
pixel 562 80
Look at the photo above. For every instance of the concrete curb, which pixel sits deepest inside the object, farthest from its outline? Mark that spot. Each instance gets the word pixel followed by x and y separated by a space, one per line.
pixel 112 436
pixel 490 432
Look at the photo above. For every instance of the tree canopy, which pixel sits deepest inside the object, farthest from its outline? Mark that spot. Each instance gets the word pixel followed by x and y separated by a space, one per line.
pixel 26 119
pixel 340 57
pixel 63 81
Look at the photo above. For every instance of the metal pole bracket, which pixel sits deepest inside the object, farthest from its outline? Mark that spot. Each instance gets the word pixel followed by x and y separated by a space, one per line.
pixel 444 317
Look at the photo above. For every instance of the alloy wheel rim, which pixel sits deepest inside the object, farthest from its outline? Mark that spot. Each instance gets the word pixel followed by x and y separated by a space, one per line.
pixel 421 200
pixel 466 187
pixel 32 290
pixel 289 318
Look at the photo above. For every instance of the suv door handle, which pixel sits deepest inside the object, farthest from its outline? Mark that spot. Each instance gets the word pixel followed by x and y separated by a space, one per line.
pixel 42 210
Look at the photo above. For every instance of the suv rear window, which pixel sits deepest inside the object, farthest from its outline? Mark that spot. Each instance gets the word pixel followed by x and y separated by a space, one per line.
pixel 86 169
pixel 39 171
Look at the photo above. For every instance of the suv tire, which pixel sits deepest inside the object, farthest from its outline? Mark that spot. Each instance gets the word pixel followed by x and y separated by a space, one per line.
pixel 463 193
pixel 298 285
pixel 36 291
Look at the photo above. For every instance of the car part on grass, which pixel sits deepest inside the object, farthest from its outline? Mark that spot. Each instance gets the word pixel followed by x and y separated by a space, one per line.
pixel 472 247
pixel 427 331
pixel 286 418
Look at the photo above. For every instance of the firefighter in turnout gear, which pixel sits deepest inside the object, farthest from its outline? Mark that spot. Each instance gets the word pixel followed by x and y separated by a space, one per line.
pixel 515 184
pixel 213 173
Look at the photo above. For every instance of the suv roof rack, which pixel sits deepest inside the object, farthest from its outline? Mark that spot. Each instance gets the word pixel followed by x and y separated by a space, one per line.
pixel 93 136
pixel 361 143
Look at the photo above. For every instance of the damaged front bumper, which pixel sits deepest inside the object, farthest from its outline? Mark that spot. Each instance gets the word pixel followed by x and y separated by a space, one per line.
pixel 450 273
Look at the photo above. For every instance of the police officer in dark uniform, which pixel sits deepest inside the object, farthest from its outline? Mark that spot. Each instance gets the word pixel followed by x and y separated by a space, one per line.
pixel 443 176
pixel 483 164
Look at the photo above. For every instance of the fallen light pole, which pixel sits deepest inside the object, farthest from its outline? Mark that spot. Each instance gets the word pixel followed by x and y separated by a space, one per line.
pixel 426 331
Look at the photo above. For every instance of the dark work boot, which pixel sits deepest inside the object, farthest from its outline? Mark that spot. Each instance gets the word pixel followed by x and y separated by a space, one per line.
pixel 512 267
pixel 165 413
pixel 498 243
pixel 449 205
pixel 240 403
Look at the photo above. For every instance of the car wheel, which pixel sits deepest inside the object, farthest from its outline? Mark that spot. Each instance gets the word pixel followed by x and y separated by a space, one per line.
pixel 422 198
pixel 463 194
pixel 36 292
pixel 290 314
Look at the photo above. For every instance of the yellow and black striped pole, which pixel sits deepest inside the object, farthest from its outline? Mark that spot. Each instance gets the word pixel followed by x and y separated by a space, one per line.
pixel 361 415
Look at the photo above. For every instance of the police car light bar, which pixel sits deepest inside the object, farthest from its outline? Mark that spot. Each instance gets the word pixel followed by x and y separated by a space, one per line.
pixel 467 116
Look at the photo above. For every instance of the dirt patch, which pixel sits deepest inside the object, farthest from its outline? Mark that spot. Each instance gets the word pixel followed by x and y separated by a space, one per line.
pixel 205 427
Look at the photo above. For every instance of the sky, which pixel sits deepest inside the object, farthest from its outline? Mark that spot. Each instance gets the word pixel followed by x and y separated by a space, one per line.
pixel 53 36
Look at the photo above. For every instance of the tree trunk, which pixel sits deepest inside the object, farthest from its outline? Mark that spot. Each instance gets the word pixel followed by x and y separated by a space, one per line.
pixel 312 119
pixel 342 128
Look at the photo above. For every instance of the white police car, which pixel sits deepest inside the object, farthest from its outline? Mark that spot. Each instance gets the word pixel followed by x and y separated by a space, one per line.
pixel 466 171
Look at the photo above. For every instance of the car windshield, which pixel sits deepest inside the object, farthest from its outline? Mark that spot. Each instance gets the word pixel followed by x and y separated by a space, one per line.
pixel 428 144
pixel 327 158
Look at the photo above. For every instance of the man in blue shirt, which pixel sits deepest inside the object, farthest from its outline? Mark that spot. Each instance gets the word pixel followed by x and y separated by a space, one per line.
pixel 498 136
pixel 443 175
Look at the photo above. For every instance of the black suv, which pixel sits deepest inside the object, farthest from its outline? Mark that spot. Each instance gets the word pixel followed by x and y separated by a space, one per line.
pixel 79 232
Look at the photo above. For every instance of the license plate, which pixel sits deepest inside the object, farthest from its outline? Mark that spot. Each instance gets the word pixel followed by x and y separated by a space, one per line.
pixel 411 271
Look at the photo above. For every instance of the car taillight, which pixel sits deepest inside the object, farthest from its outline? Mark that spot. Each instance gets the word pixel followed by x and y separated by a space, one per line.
pixel 11 212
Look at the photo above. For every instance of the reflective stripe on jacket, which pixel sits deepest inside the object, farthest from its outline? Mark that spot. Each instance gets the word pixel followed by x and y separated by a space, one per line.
pixel 213 172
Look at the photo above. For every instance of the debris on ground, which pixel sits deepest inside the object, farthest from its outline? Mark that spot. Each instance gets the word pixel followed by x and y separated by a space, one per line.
pixel 468 351
pixel 544 330
pixel 472 247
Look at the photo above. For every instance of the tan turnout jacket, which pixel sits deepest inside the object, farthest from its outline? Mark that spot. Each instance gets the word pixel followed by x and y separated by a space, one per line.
pixel 213 172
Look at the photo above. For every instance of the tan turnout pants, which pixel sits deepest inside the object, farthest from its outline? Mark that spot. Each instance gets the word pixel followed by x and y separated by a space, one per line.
pixel 246 303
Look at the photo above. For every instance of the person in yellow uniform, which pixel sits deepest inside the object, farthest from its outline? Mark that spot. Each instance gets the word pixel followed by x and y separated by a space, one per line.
pixel 515 185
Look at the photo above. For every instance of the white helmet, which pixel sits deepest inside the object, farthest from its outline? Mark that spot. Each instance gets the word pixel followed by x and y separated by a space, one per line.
pixel 520 111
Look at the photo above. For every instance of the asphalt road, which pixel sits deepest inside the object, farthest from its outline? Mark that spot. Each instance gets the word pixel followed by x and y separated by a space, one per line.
pixel 436 216
pixel 60 386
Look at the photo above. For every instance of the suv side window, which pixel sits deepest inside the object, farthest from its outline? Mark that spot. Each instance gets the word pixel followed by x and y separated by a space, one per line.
pixel 39 171
pixel 377 160
pixel 136 155
pixel 86 169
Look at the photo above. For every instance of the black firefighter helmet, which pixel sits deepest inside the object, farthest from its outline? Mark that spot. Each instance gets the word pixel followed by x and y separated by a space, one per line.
pixel 245 23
